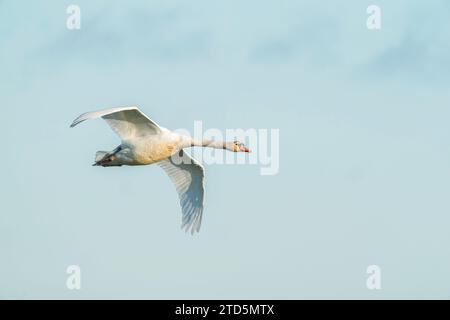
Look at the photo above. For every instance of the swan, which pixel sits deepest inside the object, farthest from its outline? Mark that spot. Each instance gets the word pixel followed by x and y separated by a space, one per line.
pixel 144 142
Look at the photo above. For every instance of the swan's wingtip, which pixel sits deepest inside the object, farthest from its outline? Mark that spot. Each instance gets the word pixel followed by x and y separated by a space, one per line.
pixel 190 229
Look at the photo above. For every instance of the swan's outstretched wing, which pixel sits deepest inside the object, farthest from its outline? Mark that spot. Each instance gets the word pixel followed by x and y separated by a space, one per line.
pixel 187 176
pixel 127 122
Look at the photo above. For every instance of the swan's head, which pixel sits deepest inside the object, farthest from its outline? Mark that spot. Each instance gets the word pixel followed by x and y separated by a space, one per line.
pixel 237 146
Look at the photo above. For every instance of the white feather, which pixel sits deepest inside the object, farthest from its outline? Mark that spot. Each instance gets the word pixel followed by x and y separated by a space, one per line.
pixel 187 175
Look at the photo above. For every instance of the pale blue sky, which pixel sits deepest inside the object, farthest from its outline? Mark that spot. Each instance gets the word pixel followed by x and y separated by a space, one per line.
pixel 364 151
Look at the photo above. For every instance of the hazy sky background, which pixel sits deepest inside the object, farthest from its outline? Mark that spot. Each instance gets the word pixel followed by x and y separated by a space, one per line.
pixel 364 149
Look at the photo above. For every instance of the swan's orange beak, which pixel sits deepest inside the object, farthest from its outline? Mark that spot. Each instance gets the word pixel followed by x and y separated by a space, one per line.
pixel 243 148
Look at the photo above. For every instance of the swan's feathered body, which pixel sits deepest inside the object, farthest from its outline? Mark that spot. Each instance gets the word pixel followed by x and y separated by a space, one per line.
pixel 145 142
pixel 153 148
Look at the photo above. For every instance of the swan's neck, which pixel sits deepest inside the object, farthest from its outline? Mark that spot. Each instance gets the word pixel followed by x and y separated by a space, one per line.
pixel 206 143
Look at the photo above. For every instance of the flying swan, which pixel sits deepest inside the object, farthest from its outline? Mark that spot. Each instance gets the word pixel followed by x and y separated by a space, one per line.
pixel 145 142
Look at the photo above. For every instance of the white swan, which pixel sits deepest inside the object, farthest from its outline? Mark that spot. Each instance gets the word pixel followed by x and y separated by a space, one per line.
pixel 144 142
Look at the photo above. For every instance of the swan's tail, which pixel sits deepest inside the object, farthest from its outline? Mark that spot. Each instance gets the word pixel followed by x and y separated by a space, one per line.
pixel 107 159
pixel 104 158
pixel 100 155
